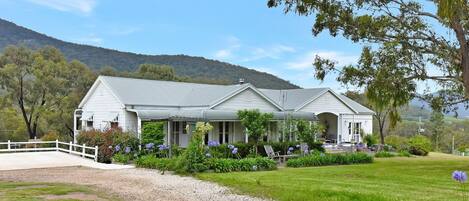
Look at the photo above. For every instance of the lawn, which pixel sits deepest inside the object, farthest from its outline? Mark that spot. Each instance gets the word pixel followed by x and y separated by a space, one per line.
pixel 21 191
pixel 418 178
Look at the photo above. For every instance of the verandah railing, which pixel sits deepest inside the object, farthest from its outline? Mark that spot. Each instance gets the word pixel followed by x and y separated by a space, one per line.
pixel 76 149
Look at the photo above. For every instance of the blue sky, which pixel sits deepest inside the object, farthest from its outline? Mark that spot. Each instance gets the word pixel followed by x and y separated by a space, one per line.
pixel 243 32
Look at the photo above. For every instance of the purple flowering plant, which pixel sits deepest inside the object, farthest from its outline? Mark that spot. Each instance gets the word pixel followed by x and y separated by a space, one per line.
pixel 127 150
pixel 150 146
pixel 213 143
pixel 461 178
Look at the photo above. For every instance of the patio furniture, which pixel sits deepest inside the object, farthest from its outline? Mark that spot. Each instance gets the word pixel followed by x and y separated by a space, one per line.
pixel 273 155
pixel 270 152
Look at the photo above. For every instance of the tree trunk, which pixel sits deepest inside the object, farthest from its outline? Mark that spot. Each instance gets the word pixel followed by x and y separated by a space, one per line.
pixel 463 53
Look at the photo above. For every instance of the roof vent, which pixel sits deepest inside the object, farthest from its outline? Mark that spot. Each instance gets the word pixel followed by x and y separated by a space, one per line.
pixel 241 81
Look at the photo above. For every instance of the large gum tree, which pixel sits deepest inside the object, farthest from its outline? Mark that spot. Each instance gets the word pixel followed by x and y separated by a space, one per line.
pixel 404 42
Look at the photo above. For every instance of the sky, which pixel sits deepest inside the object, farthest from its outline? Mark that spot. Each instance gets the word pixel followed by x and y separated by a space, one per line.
pixel 243 32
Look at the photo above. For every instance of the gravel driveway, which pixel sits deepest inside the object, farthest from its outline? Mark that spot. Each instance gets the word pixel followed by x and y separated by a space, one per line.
pixel 129 184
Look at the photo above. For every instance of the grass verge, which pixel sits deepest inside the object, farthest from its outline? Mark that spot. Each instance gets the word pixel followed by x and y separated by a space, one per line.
pixel 398 178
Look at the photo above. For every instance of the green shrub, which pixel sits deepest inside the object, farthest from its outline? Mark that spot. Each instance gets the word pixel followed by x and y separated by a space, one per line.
pixel 404 153
pixel 384 154
pixel 122 158
pixel 193 158
pixel 245 164
pixel 397 142
pixel 419 145
pixel 107 142
pixel 322 159
pixel 153 162
pixel 51 136
pixel 153 132
pixel 370 140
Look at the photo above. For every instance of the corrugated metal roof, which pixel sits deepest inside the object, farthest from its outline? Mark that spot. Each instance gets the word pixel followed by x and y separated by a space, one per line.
pixel 143 92
pixel 166 93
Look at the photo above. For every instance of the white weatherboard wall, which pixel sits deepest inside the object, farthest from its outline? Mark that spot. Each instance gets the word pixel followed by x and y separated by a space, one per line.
pixel 327 102
pixel 248 99
pixel 365 120
pixel 101 103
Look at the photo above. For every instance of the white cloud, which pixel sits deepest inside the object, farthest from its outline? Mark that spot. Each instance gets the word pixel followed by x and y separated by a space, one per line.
pixel 236 51
pixel 90 39
pixel 81 6
pixel 223 54
pixel 306 61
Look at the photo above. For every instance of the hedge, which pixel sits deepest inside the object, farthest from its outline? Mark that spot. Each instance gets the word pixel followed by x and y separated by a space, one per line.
pixel 245 164
pixel 330 159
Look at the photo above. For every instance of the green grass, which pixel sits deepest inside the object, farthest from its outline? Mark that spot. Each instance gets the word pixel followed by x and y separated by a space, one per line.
pixel 21 191
pixel 399 178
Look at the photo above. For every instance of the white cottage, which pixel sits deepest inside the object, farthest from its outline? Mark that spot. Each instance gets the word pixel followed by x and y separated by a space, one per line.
pixel 125 102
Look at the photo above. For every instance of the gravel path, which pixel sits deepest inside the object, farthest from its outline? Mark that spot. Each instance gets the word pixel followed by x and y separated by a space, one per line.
pixel 130 184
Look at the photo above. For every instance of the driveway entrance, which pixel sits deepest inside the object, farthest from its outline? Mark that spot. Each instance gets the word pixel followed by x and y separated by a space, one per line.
pixel 49 159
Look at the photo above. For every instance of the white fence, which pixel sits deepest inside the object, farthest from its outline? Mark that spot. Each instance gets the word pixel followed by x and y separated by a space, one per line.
pixel 81 150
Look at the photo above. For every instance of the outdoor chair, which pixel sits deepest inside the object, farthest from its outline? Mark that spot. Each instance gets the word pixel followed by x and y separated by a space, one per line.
pixel 271 153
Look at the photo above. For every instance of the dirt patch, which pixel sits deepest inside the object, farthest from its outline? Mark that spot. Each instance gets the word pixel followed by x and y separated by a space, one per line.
pixel 130 184
pixel 73 196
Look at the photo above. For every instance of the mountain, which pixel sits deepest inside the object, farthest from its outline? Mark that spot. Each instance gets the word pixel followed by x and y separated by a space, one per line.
pixel 97 57
pixel 461 110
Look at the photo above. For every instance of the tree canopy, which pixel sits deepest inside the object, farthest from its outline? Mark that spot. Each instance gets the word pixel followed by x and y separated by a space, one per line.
pixel 405 42
pixel 38 83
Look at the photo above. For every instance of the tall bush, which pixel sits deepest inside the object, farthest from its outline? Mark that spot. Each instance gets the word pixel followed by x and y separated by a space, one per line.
pixel 255 123
pixel 307 132
pixel 419 145
pixel 153 132
pixel 193 158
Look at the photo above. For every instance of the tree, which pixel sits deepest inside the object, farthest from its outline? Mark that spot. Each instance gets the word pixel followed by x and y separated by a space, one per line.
pixel 437 126
pixel 255 123
pixel 307 131
pixel 407 42
pixel 156 72
pixel 39 83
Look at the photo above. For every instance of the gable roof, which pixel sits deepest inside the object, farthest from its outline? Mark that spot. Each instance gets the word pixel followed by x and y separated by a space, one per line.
pixel 295 99
pixel 141 92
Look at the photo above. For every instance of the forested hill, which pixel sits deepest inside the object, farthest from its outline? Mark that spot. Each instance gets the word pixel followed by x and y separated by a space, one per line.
pixel 96 58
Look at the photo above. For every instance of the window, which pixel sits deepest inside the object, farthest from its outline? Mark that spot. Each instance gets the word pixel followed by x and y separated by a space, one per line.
pixel 175 134
pixel 184 127
pixel 78 123
pixel 114 125
pixel 89 124
pixel 357 127
pixel 350 128
pixel 223 132
pixel 220 132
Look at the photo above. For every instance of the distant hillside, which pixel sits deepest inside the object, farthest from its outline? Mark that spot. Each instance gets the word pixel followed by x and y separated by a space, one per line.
pixel 96 58
pixel 461 111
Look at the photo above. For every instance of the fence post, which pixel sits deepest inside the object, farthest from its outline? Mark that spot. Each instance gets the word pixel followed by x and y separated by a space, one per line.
pixel 9 145
pixel 70 148
pixel 96 153
pixel 56 145
pixel 83 151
